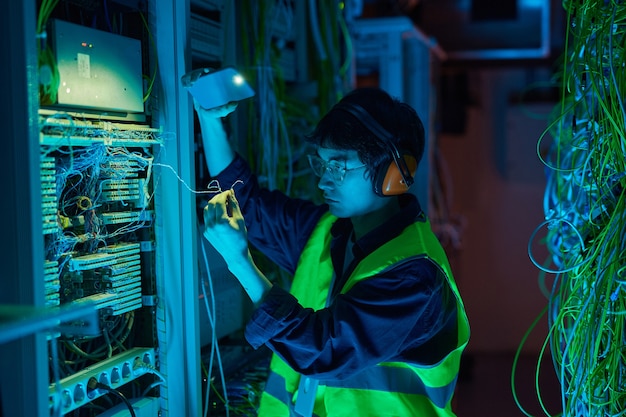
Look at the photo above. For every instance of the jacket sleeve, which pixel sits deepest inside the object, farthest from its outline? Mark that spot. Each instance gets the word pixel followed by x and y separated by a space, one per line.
pixel 390 317
pixel 278 226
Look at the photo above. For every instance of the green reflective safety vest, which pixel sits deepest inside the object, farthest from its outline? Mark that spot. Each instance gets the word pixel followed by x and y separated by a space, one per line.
pixel 389 388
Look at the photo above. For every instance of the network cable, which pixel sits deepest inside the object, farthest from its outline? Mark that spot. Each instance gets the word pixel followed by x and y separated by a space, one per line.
pixel 93 384
pixel 215 350
pixel 585 209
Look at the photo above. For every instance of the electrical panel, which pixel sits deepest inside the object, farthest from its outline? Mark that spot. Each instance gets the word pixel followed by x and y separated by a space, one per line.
pixel 97 69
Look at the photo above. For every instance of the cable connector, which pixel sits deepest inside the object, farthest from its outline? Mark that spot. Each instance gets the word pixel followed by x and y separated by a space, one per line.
pixel 94 384
pixel 141 365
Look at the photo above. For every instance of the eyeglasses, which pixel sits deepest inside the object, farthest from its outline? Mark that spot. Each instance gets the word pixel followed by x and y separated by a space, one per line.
pixel 336 169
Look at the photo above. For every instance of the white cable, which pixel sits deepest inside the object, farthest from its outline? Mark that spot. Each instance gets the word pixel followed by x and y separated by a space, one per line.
pixel 180 179
pixel 214 344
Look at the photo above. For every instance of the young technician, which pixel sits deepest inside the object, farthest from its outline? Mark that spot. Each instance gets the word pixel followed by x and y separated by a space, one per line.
pixel 373 324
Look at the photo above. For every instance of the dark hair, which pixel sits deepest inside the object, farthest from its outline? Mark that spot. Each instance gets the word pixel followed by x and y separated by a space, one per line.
pixel 339 129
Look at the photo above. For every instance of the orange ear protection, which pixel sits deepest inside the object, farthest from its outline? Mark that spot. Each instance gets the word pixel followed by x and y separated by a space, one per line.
pixel 398 176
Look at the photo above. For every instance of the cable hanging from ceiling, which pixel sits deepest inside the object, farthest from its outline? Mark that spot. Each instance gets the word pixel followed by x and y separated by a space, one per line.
pixel 585 214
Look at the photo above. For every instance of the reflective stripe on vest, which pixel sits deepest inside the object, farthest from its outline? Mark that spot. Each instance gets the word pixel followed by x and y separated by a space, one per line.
pixel 392 388
pixel 380 378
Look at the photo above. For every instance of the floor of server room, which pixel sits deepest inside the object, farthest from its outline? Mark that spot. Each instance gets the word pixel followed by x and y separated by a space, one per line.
pixel 484 387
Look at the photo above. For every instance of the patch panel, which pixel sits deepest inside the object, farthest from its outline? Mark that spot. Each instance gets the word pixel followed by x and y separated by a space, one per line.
pixel 48 206
pixel 128 305
pixel 108 196
pixel 113 184
pixel 52 284
pixel 121 249
pixel 121 267
pixel 123 278
pixel 49 211
pixel 129 292
pixel 51 281
pixel 55 132
pixel 49 189
pixel 49 202
pixel 48 177
pixel 123 164
pixel 52 140
pixel 120 274
pixel 113 187
pixel 51 268
pixel 125 262
pixel 49 228
pixel 130 171
pixel 128 297
pixel 101 300
pixel 50 218
pixel 71 393
pixel 47 166
pixel 53 299
pixel 123 270
pixel 126 267
pixel 121 217
pixel 65 122
pixel 52 292
pixel 127 127
pixel 91 261
pixel 126 284
pixel 47 162
pixel 51 122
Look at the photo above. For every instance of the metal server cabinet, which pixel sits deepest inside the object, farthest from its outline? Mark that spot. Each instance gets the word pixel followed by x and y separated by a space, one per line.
pixel 174 356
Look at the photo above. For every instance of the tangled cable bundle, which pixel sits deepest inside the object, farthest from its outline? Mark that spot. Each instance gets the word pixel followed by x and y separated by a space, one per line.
pixel 585 211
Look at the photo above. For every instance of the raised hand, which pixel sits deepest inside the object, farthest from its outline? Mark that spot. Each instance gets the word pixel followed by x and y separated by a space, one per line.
pixel 226 231
pixel 225 227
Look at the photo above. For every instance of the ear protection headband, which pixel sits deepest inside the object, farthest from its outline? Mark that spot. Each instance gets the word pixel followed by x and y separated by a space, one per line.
pixel 398 176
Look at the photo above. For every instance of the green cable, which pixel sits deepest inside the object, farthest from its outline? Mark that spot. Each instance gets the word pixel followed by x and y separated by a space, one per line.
pixel 152 79
pixel 586 330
